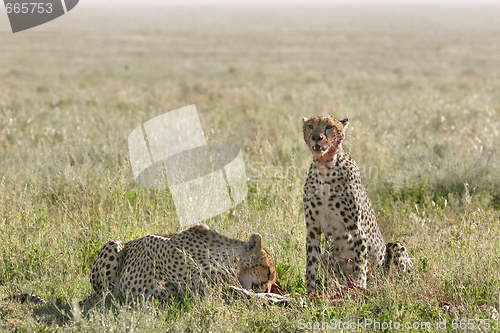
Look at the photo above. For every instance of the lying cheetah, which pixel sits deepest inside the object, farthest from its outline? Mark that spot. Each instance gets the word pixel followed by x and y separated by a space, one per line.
pixel 165 266
pixel 336 204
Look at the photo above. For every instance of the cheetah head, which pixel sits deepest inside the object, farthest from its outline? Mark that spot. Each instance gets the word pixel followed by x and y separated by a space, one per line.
pixel 324 135
pixel 257 270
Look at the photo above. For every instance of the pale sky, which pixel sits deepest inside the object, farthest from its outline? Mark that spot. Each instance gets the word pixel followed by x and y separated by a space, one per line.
pixel 5 26
pixel 285 2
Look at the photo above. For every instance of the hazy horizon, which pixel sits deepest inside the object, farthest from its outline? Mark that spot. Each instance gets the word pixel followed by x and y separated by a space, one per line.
pixel 288 2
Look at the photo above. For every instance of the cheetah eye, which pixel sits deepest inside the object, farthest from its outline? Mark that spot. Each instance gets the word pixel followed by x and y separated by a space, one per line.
pixel 310 126
pixel 329 127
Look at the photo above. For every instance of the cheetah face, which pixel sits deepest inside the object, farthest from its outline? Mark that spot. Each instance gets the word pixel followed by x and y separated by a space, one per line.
pixel 324 134
pixel 257 270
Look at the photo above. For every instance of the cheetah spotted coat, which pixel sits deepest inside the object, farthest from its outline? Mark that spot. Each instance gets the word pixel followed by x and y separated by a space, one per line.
pixel 165 266
pixel 337 206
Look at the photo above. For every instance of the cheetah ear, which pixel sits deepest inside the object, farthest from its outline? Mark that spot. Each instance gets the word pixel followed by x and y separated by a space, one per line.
pixel 304 119
pixel 255 242
pixel 344 122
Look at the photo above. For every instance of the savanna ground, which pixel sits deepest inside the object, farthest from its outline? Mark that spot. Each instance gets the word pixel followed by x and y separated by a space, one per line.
pixel 421 86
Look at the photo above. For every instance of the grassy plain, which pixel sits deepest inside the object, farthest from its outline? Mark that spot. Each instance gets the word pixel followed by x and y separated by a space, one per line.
pixel 421 86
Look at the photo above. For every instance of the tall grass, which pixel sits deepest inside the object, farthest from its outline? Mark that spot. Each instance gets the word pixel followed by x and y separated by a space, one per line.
pixel 419 85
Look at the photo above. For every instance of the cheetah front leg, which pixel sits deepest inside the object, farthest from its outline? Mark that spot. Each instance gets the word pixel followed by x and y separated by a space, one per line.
pixel 359 267
pixel 313 239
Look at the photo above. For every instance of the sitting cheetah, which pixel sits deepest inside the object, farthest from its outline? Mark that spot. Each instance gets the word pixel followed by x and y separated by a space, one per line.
pixel 162 266
pixel 336 204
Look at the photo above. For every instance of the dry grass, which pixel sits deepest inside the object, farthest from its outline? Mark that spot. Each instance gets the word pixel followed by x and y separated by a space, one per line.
pixel 419 84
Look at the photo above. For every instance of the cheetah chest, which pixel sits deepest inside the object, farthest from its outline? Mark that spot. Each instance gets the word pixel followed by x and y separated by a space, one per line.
pixel 334 228
pixel 334 217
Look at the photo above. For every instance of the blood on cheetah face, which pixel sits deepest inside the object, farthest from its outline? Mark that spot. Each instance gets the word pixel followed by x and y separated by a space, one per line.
pixel 324 135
